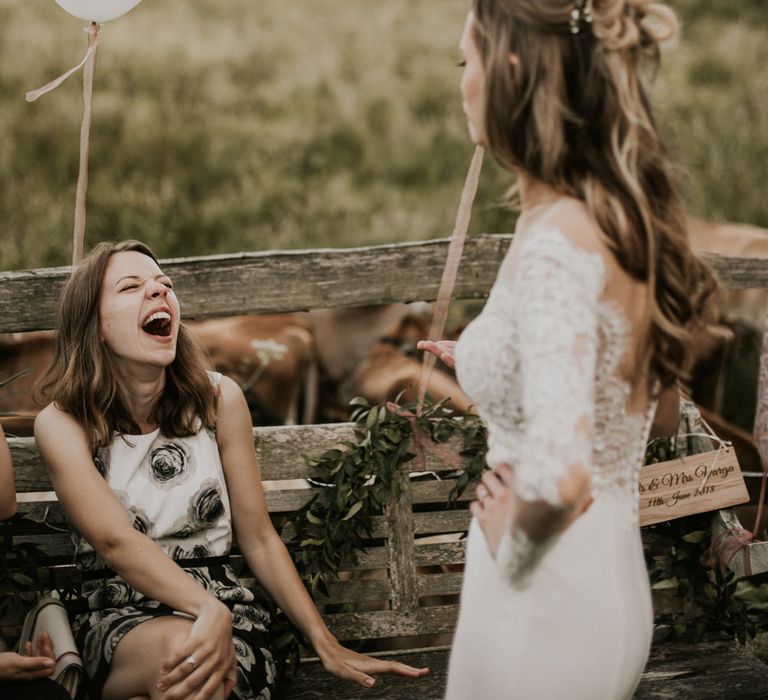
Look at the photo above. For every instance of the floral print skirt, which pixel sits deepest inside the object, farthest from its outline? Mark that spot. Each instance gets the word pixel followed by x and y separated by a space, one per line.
pixel 109 608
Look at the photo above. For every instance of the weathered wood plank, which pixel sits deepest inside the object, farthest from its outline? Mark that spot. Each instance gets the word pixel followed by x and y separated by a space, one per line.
pixel 278 281
pixel 438 491
pixel 280 451
pixel 390 623
pixel 706 671
pixel 314 683
pixel 442 554
pixel 440 584
pixel 402 571
pixel 441 521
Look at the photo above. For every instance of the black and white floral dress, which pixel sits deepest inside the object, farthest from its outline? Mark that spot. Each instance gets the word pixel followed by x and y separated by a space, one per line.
pixel 175 491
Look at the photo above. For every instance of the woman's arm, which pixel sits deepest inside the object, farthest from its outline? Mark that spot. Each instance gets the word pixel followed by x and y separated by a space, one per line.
pixel 265 552
pixel 102 520
pixel 7 486
pixel 557 283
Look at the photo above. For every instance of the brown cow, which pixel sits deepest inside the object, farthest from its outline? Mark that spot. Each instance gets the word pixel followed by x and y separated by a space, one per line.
pixel 272 358
pixel 22 352
pixel 738 240
pixel 725 379
pixel 392 367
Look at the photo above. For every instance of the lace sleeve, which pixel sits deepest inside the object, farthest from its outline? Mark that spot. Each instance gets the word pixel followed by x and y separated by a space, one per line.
pixel 557 286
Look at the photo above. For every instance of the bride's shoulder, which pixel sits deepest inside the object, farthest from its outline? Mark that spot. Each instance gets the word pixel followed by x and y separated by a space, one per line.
pixel 571 220
pixel 567 234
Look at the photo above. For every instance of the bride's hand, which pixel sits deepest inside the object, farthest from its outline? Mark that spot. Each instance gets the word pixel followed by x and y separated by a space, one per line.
pixel 498 508
pixel 494 507
pixel 441 349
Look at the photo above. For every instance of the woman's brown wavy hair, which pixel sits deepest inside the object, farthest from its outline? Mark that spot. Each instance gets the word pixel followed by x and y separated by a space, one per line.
pixel 572 113
pixel 81 379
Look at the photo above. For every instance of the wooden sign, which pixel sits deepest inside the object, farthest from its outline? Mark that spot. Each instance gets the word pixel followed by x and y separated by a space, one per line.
pixel 690 485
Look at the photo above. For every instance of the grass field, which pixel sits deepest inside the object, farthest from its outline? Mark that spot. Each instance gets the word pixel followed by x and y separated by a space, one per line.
pixel 243 125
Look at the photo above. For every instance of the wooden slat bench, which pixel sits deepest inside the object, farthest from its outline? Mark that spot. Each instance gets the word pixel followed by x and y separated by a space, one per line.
pixel 405 585
pixel 402 586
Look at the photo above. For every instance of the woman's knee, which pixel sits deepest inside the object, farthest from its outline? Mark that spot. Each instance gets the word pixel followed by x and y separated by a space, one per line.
pixel 172 635
pixel 141 654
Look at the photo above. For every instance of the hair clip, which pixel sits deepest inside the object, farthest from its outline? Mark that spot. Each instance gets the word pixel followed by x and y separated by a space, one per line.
pixel 580 14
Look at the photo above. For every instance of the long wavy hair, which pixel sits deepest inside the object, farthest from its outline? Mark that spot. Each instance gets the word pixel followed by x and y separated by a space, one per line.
pixel 81 379
pixel 572 112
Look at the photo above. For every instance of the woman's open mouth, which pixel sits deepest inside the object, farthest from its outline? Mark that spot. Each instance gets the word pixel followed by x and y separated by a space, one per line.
pixel 158 325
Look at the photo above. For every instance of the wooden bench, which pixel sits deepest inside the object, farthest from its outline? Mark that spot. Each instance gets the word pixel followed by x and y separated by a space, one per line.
pixel 403 586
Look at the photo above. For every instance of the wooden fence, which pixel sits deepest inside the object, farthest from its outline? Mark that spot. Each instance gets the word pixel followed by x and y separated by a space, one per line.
pixel 273 282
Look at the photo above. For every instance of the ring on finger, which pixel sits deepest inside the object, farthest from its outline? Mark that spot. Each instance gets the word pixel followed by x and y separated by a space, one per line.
pixel 191 661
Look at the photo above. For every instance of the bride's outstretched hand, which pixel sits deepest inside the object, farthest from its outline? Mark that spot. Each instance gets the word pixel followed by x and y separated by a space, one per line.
pixel 359 668
pixel 441 349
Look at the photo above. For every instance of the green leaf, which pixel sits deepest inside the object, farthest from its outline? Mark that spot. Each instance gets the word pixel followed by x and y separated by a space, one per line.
pixel 664 584
pixel 353 510
pixel 695 537
pixel 313 518
pixel 311 541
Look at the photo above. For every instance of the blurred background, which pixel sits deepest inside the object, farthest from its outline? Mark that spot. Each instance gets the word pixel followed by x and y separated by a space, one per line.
pixel 240 125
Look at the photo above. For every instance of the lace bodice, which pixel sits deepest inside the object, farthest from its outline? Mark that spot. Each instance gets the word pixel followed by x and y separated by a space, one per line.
pixel 541 362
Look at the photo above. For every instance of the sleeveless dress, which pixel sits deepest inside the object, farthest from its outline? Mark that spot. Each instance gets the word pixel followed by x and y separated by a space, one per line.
pixel 573 618
pixel 175 491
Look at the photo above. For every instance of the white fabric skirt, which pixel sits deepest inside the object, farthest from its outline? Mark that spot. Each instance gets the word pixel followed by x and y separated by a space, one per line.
pixel 581 630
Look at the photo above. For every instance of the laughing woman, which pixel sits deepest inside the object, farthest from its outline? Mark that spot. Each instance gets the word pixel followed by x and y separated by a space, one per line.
pixel 152 459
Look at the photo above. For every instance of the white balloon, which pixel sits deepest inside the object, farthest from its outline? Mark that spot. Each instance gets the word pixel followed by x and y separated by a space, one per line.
pixel 97 10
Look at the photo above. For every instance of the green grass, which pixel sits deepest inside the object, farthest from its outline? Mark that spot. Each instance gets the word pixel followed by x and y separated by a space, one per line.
pixel 243 125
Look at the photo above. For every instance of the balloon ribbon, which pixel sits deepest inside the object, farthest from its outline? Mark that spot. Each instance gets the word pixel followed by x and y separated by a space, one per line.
pixel 89 61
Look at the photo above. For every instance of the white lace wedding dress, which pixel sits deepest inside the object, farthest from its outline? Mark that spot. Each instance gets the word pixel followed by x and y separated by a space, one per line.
pixel 543 363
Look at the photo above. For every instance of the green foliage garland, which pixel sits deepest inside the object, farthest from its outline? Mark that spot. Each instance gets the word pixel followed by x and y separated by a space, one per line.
pixel 359 478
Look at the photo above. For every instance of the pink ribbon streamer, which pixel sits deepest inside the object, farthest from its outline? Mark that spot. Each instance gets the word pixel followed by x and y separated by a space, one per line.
pixel 33 95
pixel 89 61
pixel 450 271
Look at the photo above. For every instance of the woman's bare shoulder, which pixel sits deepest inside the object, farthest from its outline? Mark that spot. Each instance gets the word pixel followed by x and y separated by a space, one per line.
pixel 52 420
pixel 572 219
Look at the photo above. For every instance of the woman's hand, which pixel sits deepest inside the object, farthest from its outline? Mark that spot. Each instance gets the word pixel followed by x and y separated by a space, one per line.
pixel 359 668
pixel 494 507
pixel 498 508
pixel 205 660
pixel 26 667
pixel 442 349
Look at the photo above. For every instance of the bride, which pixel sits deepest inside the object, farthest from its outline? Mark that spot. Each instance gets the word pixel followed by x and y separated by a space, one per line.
pixel 591 315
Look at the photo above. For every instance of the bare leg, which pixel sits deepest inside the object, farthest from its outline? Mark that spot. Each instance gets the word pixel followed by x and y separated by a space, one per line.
pixel 139 656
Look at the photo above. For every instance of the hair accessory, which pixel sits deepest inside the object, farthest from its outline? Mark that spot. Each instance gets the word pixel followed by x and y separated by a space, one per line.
pixel 581 14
